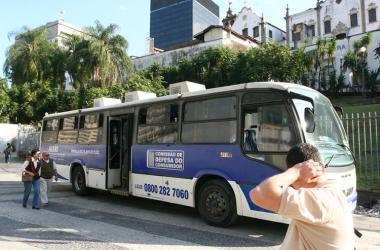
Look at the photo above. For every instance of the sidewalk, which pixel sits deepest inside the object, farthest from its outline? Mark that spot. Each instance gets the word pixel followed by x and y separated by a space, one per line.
pixel 11 171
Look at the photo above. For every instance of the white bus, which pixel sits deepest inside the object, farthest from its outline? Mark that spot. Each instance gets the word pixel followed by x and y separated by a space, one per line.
pixel 205 149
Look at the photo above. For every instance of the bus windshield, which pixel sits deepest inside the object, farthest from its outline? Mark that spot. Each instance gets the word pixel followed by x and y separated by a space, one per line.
pixel 328 136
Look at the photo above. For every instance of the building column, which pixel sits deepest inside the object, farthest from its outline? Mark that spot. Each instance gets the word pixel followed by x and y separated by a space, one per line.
pixel 362 12
pixel 287 18
pixel 263 30
pixel 318 8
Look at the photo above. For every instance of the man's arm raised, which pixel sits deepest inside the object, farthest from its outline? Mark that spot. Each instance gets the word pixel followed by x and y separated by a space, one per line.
pixel 268 193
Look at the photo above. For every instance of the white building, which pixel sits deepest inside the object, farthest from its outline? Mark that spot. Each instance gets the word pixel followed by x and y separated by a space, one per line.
pixel 213 36
pixel 346 20
pixel 59 30
pixel 248 23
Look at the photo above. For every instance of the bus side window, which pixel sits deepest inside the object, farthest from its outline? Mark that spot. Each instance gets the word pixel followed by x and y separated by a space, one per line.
pixel 269 128
pixel 142 116
pixel 49 131
pixel 81 121
pixel 204 120
pixel 158 124
pixel 67 132
pixel 250 131
pixel 173 113
pixel 90 129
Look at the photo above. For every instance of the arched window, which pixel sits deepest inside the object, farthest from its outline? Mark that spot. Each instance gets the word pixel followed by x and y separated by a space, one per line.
pixel 354 17
pixel 372 9
pixel 327 24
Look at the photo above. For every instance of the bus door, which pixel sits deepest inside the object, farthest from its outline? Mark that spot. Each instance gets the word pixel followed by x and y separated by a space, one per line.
pixel 114 152
pixel 127 132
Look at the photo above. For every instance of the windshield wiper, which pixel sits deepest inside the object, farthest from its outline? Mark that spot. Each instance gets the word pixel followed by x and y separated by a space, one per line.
pixel 349 149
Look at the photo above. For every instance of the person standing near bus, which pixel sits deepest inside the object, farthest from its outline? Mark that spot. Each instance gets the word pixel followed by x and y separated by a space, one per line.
pixel 48 171
pixel 32 166
pixel 320 215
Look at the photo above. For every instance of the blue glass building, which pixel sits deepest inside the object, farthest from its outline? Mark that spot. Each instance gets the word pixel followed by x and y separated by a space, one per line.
pixel 173 22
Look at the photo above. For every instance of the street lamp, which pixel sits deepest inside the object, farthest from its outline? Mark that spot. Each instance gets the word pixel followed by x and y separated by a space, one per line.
pixel 362 52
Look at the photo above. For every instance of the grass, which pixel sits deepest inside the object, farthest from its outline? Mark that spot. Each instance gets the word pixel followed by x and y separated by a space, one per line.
pixel 362 108
pixel 367 171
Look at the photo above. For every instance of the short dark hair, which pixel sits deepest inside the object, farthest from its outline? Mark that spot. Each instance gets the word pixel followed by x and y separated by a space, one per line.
pixel 302 152
pixel 34 151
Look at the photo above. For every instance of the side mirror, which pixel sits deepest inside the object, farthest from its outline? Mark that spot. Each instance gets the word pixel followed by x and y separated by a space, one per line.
pixel 309 119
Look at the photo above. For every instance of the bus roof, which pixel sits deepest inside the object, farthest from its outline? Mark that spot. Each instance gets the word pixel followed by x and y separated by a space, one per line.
pixel 282 86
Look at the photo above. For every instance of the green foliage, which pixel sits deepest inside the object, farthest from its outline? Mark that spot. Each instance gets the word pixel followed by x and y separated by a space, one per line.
pixel 30 58
pixel 341 82
pixel 150 83
pixel 364 41
pixel 108 55
pixel 221 66
pixel 372 83
pixel 30 101
pixel 4 101
pixel 356 60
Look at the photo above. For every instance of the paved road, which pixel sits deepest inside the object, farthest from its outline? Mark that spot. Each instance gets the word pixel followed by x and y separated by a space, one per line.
pixel 104 221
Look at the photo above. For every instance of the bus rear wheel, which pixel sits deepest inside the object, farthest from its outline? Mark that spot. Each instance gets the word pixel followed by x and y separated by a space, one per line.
pixel 79 182
pixel 217 204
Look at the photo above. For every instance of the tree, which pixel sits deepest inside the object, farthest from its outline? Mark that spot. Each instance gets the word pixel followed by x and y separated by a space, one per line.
pixel 356 60
pixel 27 60
pixel 108 55
pixel 320 53
pixel 214 66
pixel 372 82
pixel 139 81
pixel 30 101
pixel 78 60
pixel 4 101
pixel 273 62
pixel 330 50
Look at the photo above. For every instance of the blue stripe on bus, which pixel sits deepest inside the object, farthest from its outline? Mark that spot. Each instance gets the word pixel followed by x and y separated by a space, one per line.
pixel 353 198
pixel 246 189
pixel 226 161
pixel 93 156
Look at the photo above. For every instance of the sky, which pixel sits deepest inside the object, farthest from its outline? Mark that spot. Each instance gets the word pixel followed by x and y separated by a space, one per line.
pixel 132 16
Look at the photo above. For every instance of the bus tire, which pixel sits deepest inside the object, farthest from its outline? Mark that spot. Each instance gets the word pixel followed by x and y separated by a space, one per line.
pixel 79 182
pixel 217 204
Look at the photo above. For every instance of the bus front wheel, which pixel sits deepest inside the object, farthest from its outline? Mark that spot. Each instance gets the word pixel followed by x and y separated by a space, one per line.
pixel 216 203
pixel 79 181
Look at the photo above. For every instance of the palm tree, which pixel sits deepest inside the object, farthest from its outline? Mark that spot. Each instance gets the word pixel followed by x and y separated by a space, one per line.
pixel 360 57
pixel 321 52
pixel 108 54
pixel 27 59
pixel 330 49
pixel 78 60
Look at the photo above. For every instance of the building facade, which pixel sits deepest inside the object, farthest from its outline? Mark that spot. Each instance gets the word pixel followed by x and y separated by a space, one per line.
pixel 174 22
pixel 211 37
pixel 248 23
pixel 345 20
pixel 59 30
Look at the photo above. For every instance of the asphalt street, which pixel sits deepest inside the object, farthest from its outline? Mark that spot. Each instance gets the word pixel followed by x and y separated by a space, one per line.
pixel 105 221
